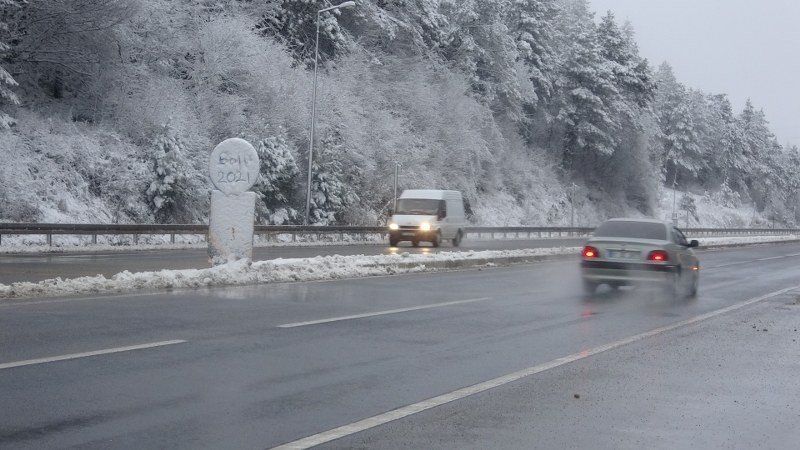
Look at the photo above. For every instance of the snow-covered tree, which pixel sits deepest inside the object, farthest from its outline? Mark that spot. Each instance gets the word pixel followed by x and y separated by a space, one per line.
pixel 588 94
pixel 65 46
pixel 762 153
pixel 531 23
pixel 724 143
pixel 631 72
pixel 679 150
pixel 170 184
pixel 330 192
pixel 6 80
pixel 294 23
pixel 277 182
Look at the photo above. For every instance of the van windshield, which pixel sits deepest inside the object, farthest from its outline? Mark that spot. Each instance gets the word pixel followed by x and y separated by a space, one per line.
pixel 418 206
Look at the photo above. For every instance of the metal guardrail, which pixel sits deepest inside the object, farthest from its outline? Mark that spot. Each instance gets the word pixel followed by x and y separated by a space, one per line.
pixel 135 230
pixel 270 231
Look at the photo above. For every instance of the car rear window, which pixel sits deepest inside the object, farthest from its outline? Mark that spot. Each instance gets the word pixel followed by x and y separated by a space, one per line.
pixel 636 230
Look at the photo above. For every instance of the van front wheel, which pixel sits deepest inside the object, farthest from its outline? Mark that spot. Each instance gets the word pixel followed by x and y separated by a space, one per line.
pixel 437 239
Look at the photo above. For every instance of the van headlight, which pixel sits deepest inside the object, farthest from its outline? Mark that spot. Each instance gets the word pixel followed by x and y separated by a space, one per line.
pixel 425 226
pixel 394 226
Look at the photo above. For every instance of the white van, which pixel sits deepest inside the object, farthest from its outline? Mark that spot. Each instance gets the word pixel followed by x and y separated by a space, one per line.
pixel 428 215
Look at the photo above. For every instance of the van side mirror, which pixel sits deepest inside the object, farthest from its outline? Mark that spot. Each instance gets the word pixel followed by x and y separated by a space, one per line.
pixel 390 211
pixel 442 214
pixel 694 244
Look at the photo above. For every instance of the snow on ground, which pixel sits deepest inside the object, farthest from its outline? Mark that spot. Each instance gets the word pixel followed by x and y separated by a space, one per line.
pixel 739 240
pixel 306 269
pixel 710 210
pixel 273 271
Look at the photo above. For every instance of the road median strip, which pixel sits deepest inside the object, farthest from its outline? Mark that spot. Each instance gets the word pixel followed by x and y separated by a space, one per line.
pixel 318 268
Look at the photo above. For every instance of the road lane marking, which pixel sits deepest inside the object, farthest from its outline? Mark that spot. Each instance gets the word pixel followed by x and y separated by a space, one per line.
pixel 405 411
pixel 23 302
pixel 381 313
pixel 739 263
pixel 107 351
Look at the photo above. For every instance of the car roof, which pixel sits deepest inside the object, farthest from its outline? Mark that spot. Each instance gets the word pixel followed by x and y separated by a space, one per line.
pixel 643 220
pixel 433 194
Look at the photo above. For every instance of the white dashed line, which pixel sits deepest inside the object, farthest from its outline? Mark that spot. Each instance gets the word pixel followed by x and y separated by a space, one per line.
pixel 107 351
pixel 381 313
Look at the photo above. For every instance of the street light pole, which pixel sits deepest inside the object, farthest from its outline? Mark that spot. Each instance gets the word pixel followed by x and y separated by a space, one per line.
pixel 348 4
pixel 396 175
pixel 675 196
pixel 572 205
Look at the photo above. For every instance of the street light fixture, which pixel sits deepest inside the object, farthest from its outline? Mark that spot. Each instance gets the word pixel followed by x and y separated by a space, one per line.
pixel 314 106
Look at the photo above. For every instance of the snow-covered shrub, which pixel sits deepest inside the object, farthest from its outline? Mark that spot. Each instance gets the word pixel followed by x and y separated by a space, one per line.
pixel 330 193
pixel 688 206
pixel 277 184
pixel 726 197
pixel 94 174
pixel 6 80
pixel 170 186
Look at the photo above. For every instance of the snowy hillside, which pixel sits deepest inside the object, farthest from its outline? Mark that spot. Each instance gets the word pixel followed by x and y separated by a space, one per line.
pixel 531 108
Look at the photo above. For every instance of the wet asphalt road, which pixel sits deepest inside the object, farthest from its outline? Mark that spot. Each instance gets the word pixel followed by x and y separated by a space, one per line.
pixel 42 266
pixel 241 381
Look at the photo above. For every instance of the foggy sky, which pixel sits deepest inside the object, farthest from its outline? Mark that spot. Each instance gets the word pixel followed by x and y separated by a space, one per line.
pixel 744 48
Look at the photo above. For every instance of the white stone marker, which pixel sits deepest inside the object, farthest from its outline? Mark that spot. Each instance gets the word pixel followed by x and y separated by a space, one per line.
pixel 233 168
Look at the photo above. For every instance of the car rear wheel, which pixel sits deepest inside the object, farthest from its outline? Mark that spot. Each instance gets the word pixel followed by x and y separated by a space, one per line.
pixel 695 284
pixel 677 288
pixel 589 288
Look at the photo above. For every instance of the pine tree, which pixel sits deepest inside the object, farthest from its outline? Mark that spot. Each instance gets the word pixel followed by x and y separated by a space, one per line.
pixel 588 95
pixel 6 80
pixel 478 42
pixel 679 141
pixel 168 189
pixel 531 22
pixel 724 143
pixel 330 193
pixel 294 23
pixel 631 72
pixel 277 182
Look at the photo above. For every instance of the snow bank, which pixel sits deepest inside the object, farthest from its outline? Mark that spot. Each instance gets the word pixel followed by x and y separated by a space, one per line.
pixel 275 271
pixel 741 240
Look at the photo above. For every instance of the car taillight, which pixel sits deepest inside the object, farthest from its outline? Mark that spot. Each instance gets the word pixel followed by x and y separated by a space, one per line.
pixel 590 252
pixel 658 256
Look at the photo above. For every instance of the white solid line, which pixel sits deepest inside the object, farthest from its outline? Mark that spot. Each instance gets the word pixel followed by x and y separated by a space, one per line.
pixel 381 313
pixel 771 258
pixel 23 302
pixel 425 405
pixel 107 351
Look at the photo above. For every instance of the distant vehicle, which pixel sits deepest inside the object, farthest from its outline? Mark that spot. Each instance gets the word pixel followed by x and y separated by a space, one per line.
pixel 427 215
pixel 624 252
